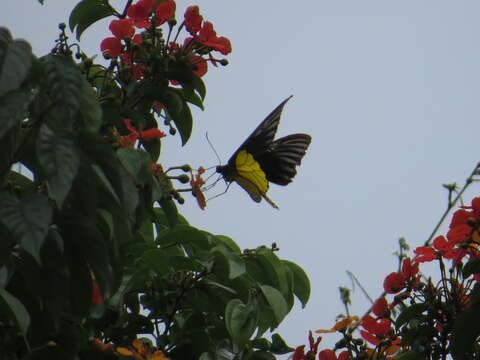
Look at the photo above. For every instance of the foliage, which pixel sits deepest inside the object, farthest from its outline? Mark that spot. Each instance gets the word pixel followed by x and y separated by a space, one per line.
pixel 96 262
pixel 425 318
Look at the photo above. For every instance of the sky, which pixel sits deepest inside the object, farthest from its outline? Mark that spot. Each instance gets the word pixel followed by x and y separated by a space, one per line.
pixel 387 91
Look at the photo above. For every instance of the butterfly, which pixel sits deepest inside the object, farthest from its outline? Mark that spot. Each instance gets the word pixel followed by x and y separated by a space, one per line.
pixel 261 160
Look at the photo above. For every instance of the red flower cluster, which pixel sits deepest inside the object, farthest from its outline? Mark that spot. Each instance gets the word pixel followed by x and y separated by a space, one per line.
pixel 462 239
pixel 134 135
pixel 146 14
pixel 407 277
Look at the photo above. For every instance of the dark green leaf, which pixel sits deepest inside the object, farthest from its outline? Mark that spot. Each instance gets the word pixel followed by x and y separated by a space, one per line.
pixel 182 263
pixel 276 301
pixel 411 355
pixel 184 234
pixel 261 343
pixel 16 311
pixel 88 12
pixel 156 260
pixel 27 219
pixel 180 112
pixel 231 265
pixel 137 162
pixel 471 267
pixel 20 182
pixel 15 61
pixel 59 158
pixel 13 109
pixel 90 108
pixel 261 355
pixel 279 346
pixel 301 283
pixel 409 313
pixel 466 330
pixel 170 210
pixel 64 82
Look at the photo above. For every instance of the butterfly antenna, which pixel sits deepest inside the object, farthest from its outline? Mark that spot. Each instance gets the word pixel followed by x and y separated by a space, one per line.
pixel 213 148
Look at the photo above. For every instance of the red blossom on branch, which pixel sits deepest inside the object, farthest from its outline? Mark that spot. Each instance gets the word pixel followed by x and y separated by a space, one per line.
pixel 122 28
pixel 165 11
pixel 193 20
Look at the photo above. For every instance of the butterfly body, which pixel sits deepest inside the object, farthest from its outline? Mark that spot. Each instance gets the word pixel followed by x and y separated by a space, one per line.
pixel 261 159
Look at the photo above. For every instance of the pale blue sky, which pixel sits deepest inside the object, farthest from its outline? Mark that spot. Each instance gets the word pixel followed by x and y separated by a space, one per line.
pixel 387 89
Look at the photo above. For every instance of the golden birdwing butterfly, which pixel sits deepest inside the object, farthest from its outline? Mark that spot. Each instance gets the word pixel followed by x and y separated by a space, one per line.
pixel 261 160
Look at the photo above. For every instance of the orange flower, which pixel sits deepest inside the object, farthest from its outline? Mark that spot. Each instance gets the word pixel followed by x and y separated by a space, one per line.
pixel 341 325
pixel 142 349
pixel 197 182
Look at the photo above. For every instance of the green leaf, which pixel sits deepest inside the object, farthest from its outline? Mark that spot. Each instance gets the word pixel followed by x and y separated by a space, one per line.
pixel 20 182
pixel 411 355
pixel 170 210
pixel 275 270
pixel 261 355
pixel 88 12
pixel 137 162
pixel 409 313
pixel 90 109
pixel 228 242
pixel 156 260
pixel 279 346
pixel 228 264
pixel 276 301
pixel 180 112
pixel 466 330
pixel 240 320
pixel 15 61
pixel 17 312
pixel 184 234
pixel 301 283
pixel 13 109
pixel 59 158
pixel 64 82
pixel 27 219
pixel 471 267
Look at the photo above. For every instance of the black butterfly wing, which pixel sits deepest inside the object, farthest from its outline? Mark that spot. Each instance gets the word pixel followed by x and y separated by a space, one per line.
pixel 280 158
pixel 263 135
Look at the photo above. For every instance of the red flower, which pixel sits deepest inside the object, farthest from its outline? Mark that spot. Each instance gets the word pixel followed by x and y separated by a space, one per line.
pixel 380 307
pixel 165 11
pixel 111 47
pixel 146 135
pixel 208 37
pixel 140 13
pixel 97 297
pixel 137 39
pixel 300 354
pixel 393 283
pixel 327 354
pixel 122 28
pixel 375 329
pixel 459 233
pixel 441 247
pixel 409 269
pixel 193 19
pixel 460 217
pixel 200 65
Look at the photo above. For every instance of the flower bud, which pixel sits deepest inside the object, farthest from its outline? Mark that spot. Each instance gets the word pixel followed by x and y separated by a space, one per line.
pixel 223 62
pixel 183 179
